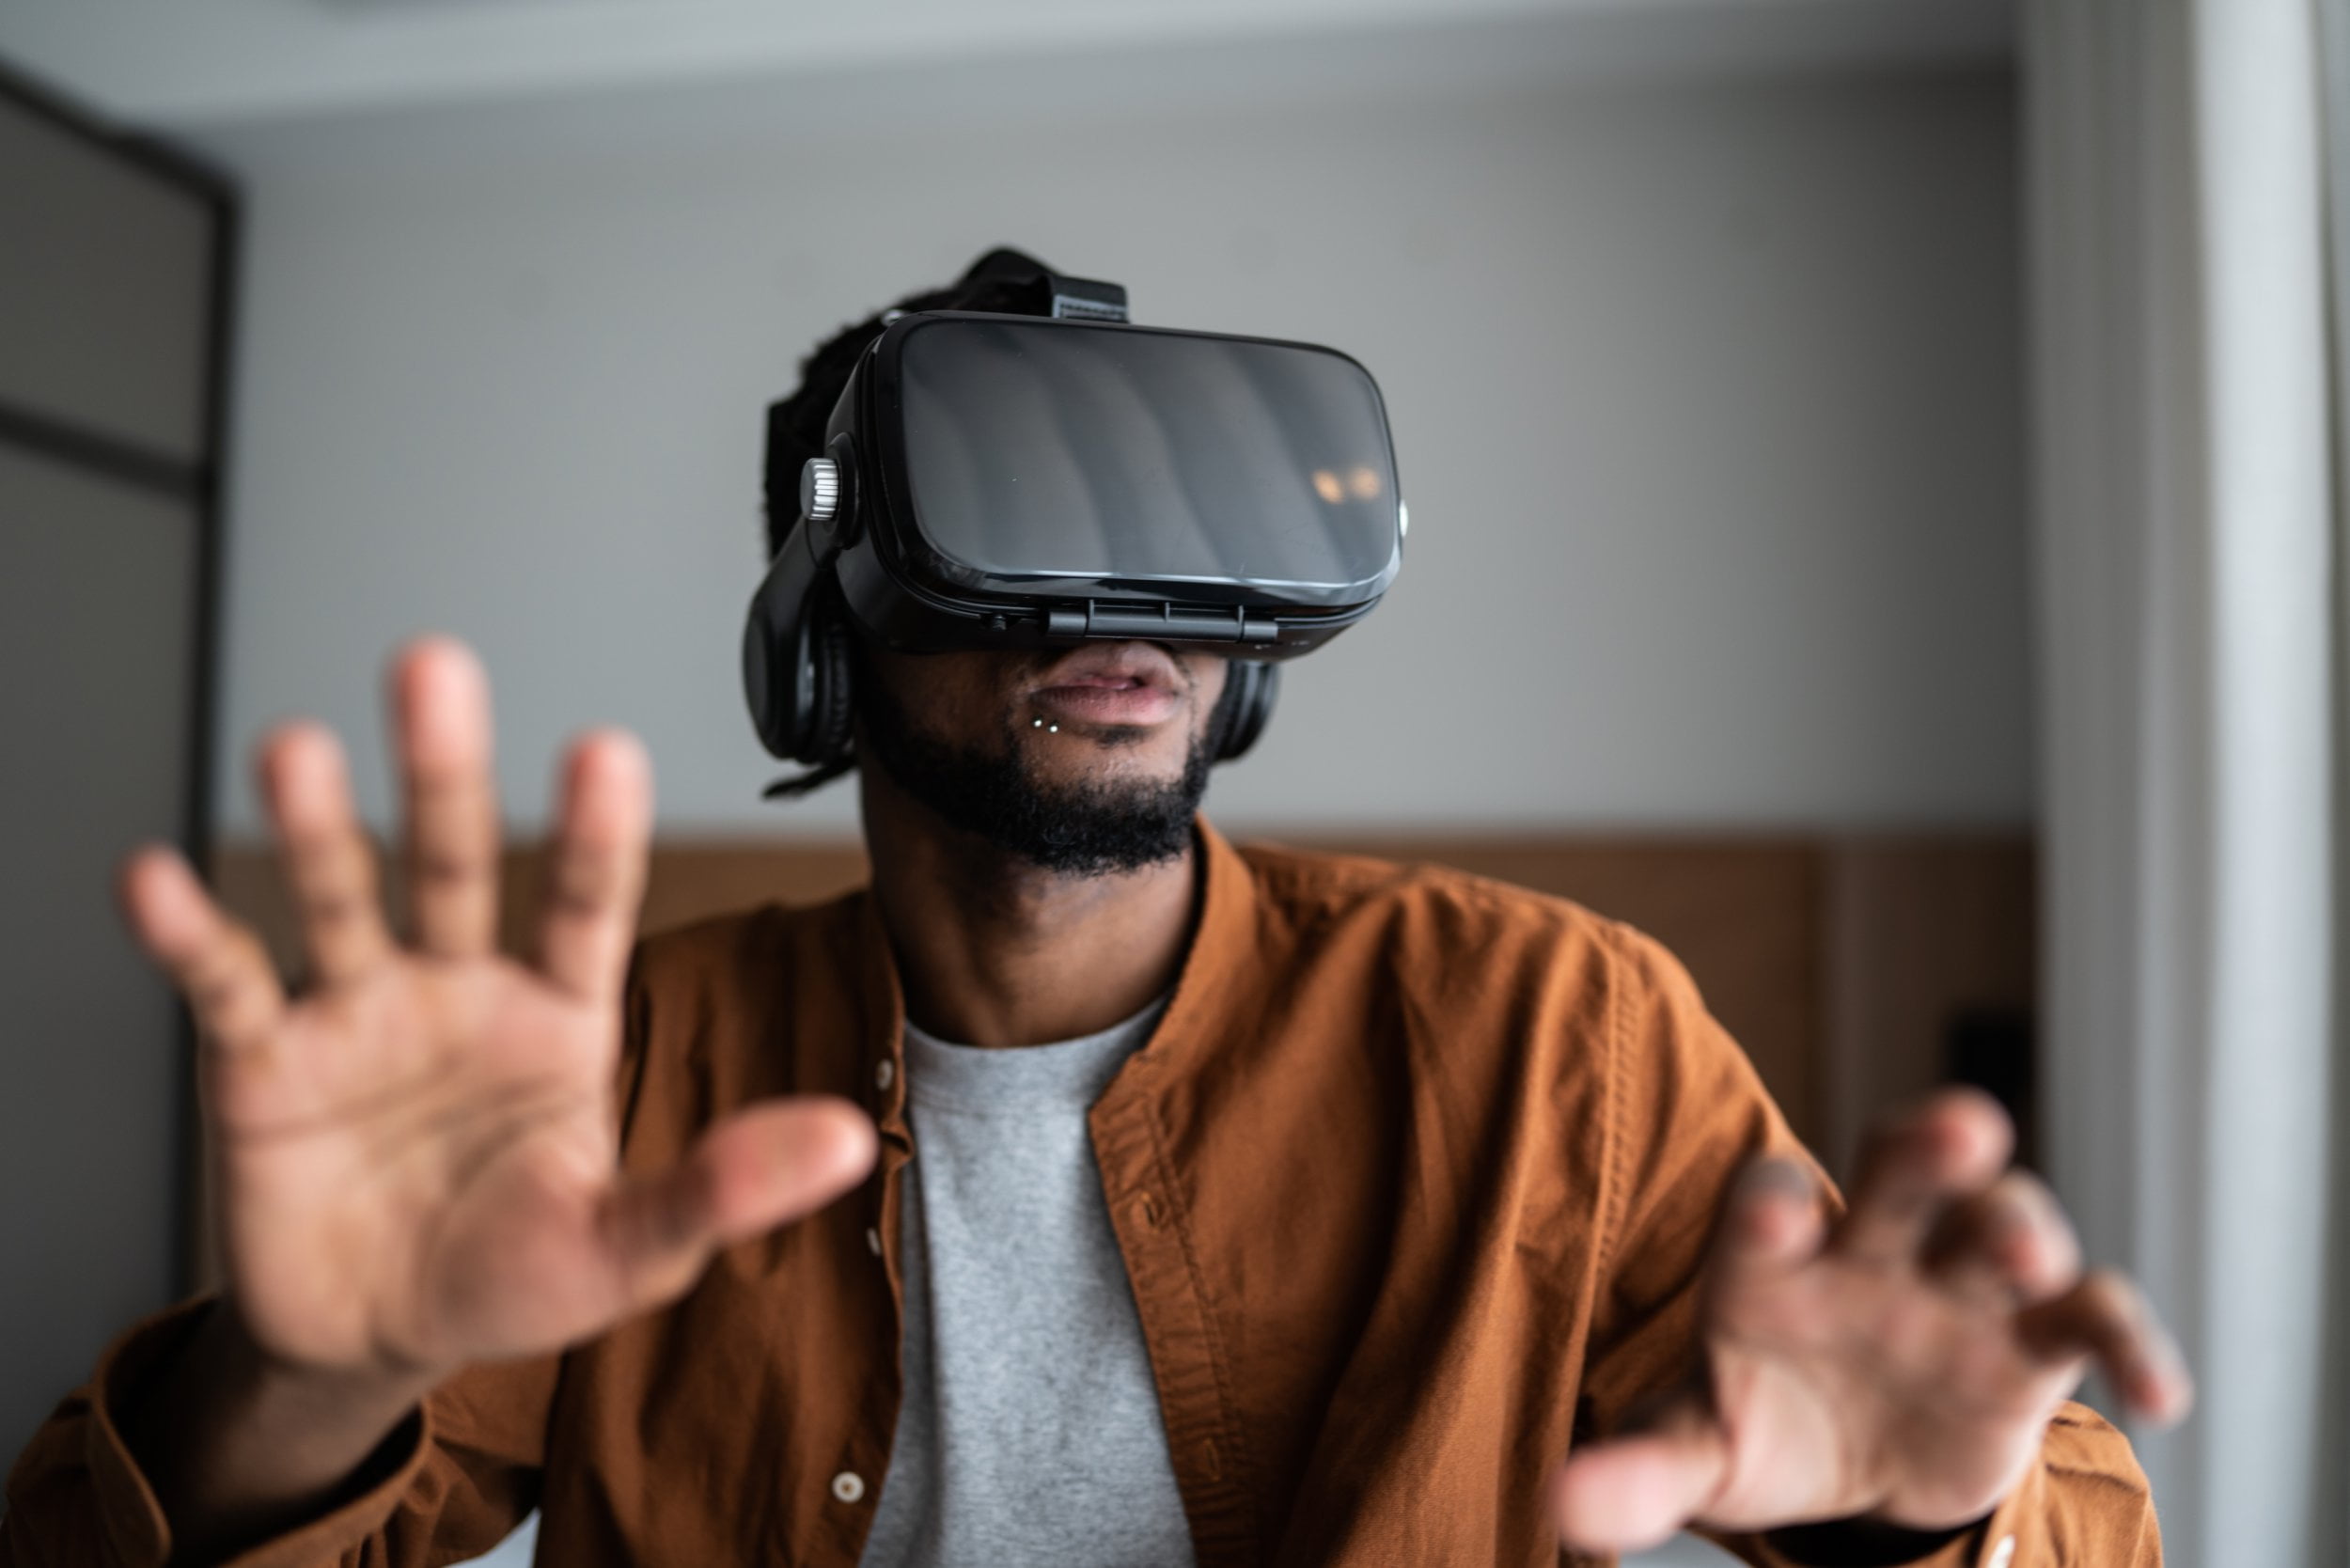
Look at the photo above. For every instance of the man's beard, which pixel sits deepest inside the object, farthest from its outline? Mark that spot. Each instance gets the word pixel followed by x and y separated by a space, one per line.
pixel 1098 828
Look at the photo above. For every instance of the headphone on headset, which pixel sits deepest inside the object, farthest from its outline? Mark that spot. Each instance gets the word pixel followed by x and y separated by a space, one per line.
pixel 799 677
pixel 799 659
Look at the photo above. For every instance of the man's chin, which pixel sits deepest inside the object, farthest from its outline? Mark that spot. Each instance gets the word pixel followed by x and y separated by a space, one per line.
pixel 1040 801
pixel 1089 826
pixel 1114 760
pixel 1044 742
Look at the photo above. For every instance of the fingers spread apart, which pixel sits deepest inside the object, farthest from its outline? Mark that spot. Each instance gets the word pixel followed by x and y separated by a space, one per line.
pixel 2105 1319
pixel 2010 1241
pixel 441 720
pixel 596 869
pixel 219 966
pixel 1771 1221
pixel 1954 1145
pixel 330 866
pixel 1632 1493
pixel 753 1172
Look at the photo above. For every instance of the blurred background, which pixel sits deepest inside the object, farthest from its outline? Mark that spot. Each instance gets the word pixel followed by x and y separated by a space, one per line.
pixel 1872 464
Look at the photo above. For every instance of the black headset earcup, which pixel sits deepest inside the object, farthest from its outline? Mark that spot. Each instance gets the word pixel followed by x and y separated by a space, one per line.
pixel 1260 682
pixel 796 660
pixel 830 706
pixel 772 635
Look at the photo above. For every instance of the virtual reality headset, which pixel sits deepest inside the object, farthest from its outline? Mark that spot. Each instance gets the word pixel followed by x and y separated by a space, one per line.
pixel 998 480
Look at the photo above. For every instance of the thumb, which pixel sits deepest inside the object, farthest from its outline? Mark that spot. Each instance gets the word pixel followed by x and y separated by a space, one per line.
pixel 757 1169
pixel 1632 1493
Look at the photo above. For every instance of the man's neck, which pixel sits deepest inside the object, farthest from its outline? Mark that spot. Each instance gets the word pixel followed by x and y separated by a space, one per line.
pixel 993 950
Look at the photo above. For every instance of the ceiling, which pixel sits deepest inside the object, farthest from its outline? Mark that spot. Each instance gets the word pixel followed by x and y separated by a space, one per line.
pixel 219 65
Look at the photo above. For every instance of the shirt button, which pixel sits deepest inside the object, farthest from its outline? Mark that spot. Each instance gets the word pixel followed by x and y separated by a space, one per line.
pixel 873 1240
pixel 848 1486
pixel 1147 1209
pixel 2002 1554
pixel 883 1071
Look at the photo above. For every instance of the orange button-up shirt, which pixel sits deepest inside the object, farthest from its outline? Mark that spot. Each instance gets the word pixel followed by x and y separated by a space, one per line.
pixel 1412 1183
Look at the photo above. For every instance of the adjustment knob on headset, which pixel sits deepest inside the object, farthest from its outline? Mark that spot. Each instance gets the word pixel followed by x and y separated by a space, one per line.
pixel 820 490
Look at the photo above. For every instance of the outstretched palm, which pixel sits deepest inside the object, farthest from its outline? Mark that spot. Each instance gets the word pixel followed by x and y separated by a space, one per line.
pixel 1901 1365
pixel 416 1160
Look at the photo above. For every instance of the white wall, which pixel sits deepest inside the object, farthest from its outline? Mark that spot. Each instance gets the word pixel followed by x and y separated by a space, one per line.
pixel 1705 395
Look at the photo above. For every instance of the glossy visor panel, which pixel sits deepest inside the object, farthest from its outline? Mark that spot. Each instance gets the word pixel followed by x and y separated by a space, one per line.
pixel 1044 450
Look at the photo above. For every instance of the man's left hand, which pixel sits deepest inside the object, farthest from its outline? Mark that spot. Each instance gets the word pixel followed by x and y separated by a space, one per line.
pixel 1900 1367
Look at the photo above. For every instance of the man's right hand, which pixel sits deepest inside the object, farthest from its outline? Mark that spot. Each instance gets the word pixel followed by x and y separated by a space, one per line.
pixel 416 1160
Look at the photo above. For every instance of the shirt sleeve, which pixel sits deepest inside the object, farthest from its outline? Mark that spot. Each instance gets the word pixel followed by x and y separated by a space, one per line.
pixel 1686 1112
pixel 452 1482
pixel 2085 1502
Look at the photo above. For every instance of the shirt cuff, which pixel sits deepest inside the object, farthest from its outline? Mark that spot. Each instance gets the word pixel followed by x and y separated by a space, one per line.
pixel 1997 1541
pixel 1852 1544
pixel 138 1535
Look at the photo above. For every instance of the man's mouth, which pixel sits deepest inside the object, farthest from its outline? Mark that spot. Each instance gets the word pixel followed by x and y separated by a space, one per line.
pixel 1107 683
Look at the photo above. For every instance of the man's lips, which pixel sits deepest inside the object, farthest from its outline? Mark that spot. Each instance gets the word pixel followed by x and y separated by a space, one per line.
pixel 1104 704
pixel 1123 683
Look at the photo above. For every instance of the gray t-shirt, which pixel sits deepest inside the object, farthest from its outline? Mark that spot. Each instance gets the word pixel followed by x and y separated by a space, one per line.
pixel 1030 1430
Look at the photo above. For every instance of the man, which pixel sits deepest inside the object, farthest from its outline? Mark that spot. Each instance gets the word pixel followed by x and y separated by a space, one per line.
pixel 1268 1207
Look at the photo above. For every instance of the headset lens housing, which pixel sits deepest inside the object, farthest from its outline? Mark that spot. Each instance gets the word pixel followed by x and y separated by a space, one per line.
pixel 1025 478
pixel 1098 460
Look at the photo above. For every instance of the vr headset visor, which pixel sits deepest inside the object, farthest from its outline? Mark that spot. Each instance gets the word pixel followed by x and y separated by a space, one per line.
pixel 1005 480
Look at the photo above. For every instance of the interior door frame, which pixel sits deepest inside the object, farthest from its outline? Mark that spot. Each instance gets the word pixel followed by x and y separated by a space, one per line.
pixel 201 484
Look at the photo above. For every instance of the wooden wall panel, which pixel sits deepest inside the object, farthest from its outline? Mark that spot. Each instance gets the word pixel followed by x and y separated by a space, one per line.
pixel 689 878
pixel 1837 962
pixel 1919 933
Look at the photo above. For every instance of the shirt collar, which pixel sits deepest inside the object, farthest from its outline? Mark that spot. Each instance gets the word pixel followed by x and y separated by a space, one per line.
pixel 1223 947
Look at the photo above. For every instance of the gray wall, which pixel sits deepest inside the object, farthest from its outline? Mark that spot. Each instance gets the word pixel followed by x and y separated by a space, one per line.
pixel 1705 395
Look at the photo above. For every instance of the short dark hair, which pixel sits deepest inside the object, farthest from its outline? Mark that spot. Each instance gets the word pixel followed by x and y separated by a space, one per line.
pixel 1003 280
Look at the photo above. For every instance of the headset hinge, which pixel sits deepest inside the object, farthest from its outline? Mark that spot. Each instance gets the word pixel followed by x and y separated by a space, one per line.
pixel 1087 299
